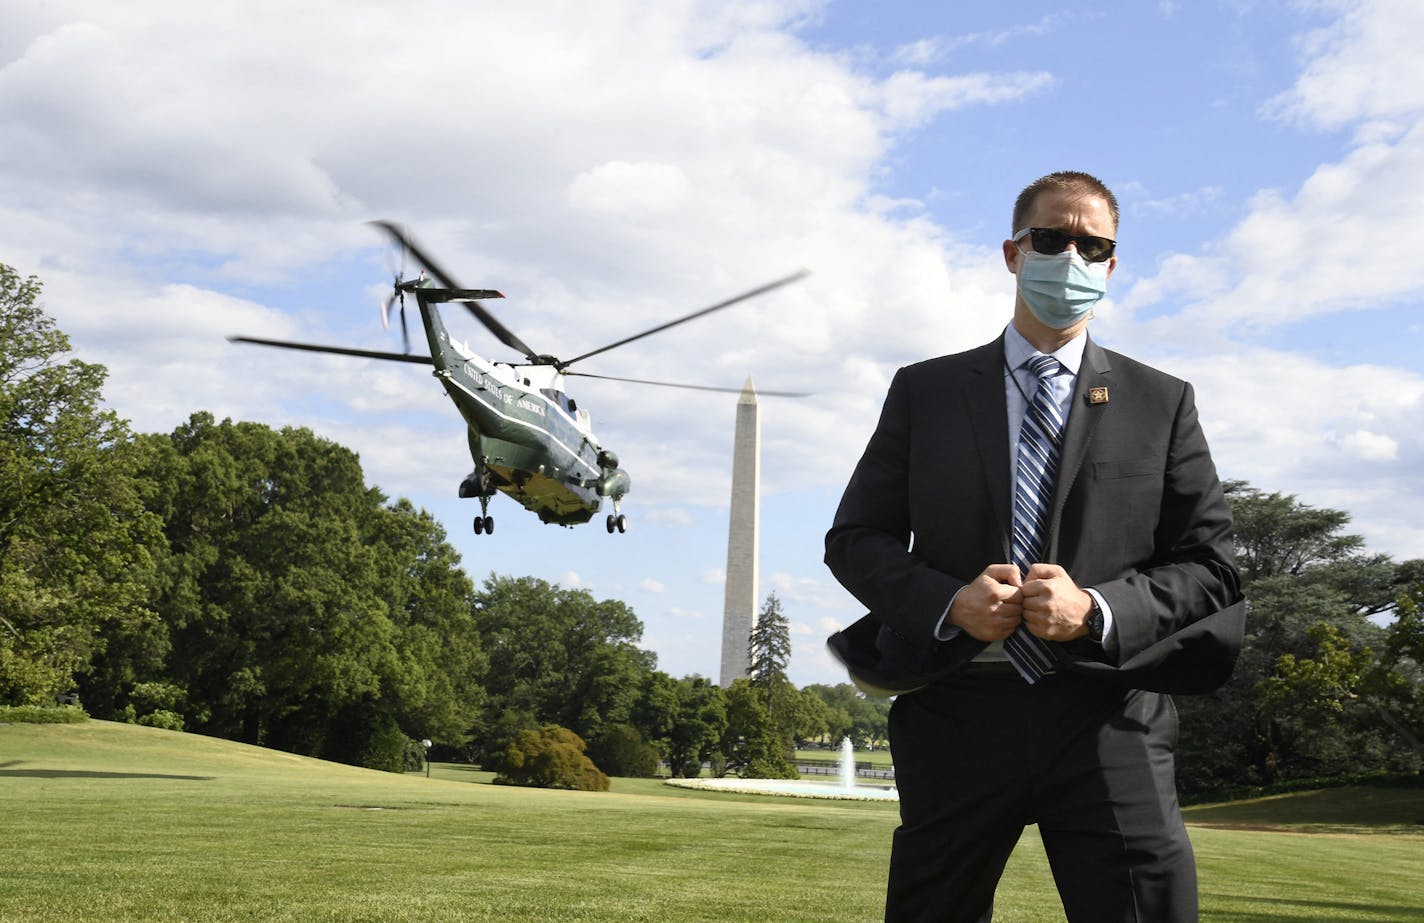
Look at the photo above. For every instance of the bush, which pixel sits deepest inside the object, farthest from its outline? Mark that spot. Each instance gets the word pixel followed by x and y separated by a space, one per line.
pixel 42 714
pixel 363 736
pixel 620 751
pixel 415 755
pixel 551 757
pixel 162 718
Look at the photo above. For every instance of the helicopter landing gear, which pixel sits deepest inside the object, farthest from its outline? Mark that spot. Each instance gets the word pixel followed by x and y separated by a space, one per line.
pixel 617 521
pixel 484 523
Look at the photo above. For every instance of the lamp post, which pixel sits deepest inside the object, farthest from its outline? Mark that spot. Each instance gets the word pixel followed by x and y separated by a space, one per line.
pixel 426 744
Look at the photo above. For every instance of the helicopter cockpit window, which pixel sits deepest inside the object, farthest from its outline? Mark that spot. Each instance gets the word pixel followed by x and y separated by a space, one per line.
pixel 561 399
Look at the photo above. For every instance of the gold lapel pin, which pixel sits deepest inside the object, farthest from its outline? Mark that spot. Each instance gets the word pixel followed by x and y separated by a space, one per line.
pixel 1097 395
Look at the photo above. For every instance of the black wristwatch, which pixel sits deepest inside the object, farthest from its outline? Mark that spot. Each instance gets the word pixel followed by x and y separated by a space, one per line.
pixel 1094 621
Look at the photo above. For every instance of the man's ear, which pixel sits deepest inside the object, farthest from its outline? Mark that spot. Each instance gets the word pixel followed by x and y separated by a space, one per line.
pixel 1011 256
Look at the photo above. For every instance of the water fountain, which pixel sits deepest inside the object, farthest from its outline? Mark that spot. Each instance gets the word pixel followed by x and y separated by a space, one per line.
pixel 845 788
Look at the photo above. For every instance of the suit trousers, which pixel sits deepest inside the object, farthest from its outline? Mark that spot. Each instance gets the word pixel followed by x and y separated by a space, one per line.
pixel 982 754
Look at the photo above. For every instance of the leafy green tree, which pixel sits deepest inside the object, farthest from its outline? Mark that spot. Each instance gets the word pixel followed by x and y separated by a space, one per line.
pixel 276 615
pixel 557 655
pixel 436 687
pixel 655 710
pixel 1346 682
pixel 76 544
pixel 1397 685
pixel 852 714
pixel 810 716
pixel 1299 572
pixel 550 757
pixel 699 723
pixel 301 611
pixel 621 751
pixel 753 745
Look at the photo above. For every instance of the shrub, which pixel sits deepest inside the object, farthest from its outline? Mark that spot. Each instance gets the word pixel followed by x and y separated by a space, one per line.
pixel 362 736
pixel 551 757
pixel 415 755
pixel 162 718
pixel 42 714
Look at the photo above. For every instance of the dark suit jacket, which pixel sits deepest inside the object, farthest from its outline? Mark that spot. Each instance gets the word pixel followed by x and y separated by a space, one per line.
pixel 1137 514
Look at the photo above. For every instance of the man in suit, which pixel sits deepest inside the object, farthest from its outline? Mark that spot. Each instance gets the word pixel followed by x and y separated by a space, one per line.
pixel 1046 553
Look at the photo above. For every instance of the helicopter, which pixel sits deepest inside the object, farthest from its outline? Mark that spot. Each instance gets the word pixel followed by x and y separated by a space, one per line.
pixel 529 439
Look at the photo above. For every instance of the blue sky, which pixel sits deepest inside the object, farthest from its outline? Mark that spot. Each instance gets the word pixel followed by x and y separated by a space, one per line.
pixel 178 172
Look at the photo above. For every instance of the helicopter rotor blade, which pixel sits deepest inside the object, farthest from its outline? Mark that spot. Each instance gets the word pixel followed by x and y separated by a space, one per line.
pixel 759 290
pixel 385 305
pixel 492 324
pixel 674 384
pixel 336 350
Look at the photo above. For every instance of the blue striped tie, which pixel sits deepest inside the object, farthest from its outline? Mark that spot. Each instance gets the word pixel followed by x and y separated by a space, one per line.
pixel 1039 441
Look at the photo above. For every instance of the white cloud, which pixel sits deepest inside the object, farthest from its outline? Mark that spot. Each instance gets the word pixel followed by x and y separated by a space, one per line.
pixel 1367 446
pixel 911 98
pixel 649 585
pixel 630 191
pixel 1362 66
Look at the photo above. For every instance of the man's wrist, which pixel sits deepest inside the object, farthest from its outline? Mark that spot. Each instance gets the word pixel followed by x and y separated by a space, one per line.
pixel 1093 623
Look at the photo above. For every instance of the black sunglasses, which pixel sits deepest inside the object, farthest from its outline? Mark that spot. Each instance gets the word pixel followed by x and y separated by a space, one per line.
pixel 1051 240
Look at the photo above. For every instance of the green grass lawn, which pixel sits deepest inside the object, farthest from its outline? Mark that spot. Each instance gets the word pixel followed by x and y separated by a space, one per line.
pixel 111 822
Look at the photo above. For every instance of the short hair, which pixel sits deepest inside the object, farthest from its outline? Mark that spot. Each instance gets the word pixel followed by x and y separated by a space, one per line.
pixel 1072 181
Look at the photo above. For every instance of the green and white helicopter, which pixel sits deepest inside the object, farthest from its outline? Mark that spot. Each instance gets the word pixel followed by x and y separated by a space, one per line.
pixel 529 439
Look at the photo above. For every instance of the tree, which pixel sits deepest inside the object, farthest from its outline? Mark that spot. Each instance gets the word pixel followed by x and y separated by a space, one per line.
pixel 559 656
pixel 769 649
pixel 276 615
pixel 436 689
pixel 761 710
pixel 1342 681
pixel 753 745
pixel 852 714
pixel 698 724
pixel 299 610
pixel 621 751
pixel 76 544
pixel 1299 572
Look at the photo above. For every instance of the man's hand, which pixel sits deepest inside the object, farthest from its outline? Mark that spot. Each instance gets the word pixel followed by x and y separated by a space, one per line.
pixel 1054 608
pixel 989 607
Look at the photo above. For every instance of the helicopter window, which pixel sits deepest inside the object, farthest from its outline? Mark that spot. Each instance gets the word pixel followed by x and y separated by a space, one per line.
pixel 561 399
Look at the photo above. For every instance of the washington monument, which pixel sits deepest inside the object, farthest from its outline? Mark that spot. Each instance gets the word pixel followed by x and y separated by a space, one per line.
pixel 739 610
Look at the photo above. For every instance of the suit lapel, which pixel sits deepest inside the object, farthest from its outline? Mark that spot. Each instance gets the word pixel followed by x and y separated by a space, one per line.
pixel 988 413
pixel 1086 411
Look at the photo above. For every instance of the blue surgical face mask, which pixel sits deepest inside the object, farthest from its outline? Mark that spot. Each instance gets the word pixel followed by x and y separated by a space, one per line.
pixel 1061 288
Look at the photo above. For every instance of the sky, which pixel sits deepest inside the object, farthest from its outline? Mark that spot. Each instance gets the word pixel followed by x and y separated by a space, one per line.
pixel 178 172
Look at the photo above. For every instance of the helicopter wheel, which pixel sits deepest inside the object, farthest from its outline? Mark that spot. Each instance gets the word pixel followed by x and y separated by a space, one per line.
pixel 611 524
pixel 489 525
pixel 620 522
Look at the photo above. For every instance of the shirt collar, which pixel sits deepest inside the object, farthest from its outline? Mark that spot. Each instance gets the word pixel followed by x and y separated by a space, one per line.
pixel 1018 351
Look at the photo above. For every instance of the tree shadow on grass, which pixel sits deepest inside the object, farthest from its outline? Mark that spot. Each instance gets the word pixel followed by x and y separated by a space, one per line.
pixel 90 774
pixel 1324 910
